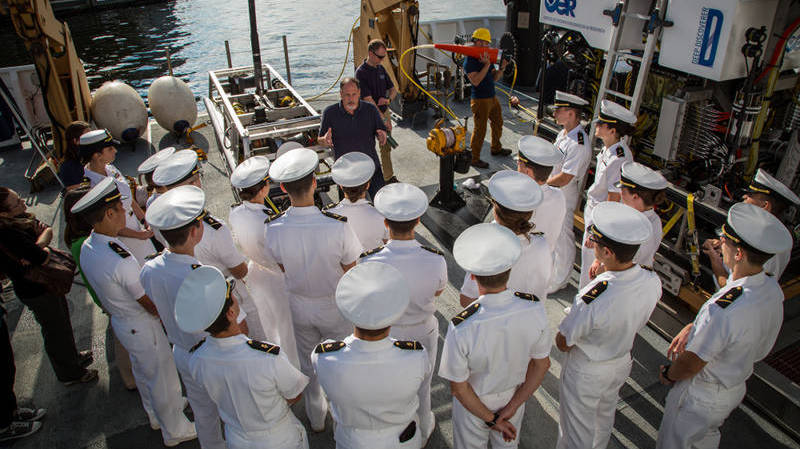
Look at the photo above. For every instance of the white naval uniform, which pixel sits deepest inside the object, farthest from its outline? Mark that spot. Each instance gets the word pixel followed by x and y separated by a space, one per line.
pixel 426 273
pixel 646 253
pixel 374 389
pixel 366 222
pixel 497 320
pixel 265 280
pixel 730 340
pixel 601 325
pixel 775 266
pixel 139 248
pixel 217 249
pixel 114 274
pixel 549 215
pixel 607 174
pixel 161 278
pixel 577 157
pixel 250 387
pixel 312 247
pixel 530 274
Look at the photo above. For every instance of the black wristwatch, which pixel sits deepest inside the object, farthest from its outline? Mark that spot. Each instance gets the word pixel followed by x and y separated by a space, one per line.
pixel 492 423
pixel 664 372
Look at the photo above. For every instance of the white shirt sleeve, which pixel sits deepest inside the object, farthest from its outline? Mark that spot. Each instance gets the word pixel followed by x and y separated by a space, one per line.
pixel 442 274
pixel 470 287
pixel 351 246
pixel 572 159
pixel 226 249
pixel 453 365
pixel 289 381
pixel 541 348
pixel 614 174
pixel 271 248
pixel 578 323
pixel 127 275
pixel 710 339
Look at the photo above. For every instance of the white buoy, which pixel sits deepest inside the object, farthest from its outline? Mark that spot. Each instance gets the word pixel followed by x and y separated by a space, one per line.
pixel 118 108
pixel 172 104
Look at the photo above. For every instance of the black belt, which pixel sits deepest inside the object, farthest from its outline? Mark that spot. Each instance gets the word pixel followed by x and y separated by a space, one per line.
pixel 409 432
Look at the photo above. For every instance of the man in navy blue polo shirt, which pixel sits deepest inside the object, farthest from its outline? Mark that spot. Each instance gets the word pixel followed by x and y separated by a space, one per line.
pixel 377 88
pixel 352 125
pixel 482 75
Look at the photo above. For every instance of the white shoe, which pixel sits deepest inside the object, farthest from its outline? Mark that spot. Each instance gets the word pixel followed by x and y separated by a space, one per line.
pixel 176 441
pixel 153 422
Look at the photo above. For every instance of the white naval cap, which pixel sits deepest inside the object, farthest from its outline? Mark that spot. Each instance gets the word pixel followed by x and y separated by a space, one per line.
pixel 486 249
pixel 286 146
pixel 176 208
pixel 535 150
pixel 635 175
pixel 200 298
pixel 514 190
pixel 94 141
pixel 611 112
pixel 149 165
pixel 103 192
pixel 372 295
pixel 756 228
pixel 352 169
pixel 567 100
pixel 401 202
pixel 293 165
pixel 177 168
pixel 763 182
pixel 619 223
pixel 250 172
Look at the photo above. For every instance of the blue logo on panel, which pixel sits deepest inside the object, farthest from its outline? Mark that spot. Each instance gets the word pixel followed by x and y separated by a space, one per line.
pixel 561 7
pixel 708 35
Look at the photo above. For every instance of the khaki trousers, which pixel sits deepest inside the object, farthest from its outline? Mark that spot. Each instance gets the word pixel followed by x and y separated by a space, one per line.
pixel 386 150
pixel 484 109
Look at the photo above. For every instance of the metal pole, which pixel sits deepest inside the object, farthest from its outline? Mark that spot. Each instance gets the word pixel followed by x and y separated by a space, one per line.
pixel 256 48
pixel 169 63
pixel 286 60
pixel 228 54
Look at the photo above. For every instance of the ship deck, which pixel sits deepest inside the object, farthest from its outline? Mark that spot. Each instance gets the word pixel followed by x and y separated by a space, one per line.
pixel 105 415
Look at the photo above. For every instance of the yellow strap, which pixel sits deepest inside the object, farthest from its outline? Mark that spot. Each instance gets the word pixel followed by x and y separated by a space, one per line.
pixel 692 233
pixel 671 223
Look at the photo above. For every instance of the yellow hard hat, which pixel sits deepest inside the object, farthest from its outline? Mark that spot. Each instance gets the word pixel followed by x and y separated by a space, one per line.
pixel 482 34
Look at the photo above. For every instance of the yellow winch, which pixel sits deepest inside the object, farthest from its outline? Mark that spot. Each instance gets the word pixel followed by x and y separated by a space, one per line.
pixel 448 140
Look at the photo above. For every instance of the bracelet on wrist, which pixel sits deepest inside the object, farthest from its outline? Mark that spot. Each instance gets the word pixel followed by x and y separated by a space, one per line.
pixel 493 422
pixel 665 371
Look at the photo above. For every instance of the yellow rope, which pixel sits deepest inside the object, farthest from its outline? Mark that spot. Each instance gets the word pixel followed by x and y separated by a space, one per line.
pixel 402 68
pixel 344 64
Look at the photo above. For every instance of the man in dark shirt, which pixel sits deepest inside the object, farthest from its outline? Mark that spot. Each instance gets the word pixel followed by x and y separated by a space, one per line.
pixel 377 88
pixel 352 125
pixel 482 75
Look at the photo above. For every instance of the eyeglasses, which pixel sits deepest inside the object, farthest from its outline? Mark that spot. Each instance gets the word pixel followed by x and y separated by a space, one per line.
pixel 379 56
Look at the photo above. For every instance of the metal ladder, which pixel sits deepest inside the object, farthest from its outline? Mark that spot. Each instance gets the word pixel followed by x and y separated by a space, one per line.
pixel 655 23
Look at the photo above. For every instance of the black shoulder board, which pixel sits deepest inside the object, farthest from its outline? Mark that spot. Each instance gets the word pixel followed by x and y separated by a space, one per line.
pixel 646 267
pixel 371 252
pixel 196 266
pixel 273 217
pixel 236 204
pixel 119 250
pixel 370 203
pixel 729 297
pixel 199 343
pixel 537 233
pixel 331 206
pixel 526 296
pixel 152 256
pixel 620 151
pixel 433 250
pixel 265 347
pixel 466 313
pixel 329 347
pixel 769 274
pixel 334 216
pixel 580 137
pixel 410 345
pixel 595 291
pixel 212 222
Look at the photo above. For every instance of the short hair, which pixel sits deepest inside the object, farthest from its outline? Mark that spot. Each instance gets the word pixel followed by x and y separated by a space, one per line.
pixel 248 193
pixel 375 44
pixel 402 227
pixel 778 204
pixel 96 213
pixel 178 236
pixel 221 323
pixel 649 197
pixel 353 193
pixel 540 172
pixel 498 280
pixel 300 186
pixel 74 131
pixel 753 256
pixel 623 129
pixel 518 222
pixel 5 192
pixel 623 252
pixel 347 80
pixel 372 333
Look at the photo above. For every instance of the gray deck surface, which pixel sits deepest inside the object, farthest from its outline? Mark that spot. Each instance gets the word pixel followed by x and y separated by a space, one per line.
pixel 104 415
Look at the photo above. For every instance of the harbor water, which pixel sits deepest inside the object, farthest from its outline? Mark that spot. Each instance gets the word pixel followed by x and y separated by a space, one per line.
pixel 129 43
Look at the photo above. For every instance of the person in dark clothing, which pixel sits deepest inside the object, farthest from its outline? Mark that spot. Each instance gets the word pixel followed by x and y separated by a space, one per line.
pixel 15 422
pixel 71 170
pixel 377 88
pixel 23 242
pixel 353 125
